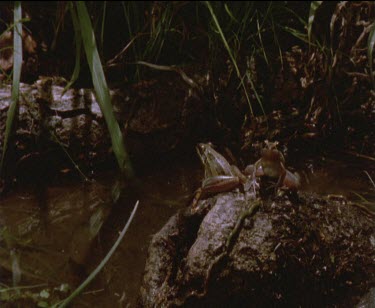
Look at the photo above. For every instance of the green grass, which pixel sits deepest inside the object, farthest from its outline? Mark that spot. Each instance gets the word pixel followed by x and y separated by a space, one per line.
pixel 370 49
pixel 313 8
pixel 230 53
pixel 78 45
pixel 17 66
pixel 101 89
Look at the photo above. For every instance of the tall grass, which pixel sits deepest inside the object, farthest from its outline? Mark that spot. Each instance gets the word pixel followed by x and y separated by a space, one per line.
pixel 248 15
pixel 78 45
pixel 313 8
pixel 17 66
pixel 101 89
pixel 153 30
pixel 370 49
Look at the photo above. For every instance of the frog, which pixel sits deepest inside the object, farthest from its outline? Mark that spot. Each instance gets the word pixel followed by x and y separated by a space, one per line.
pixel 272 165
pixel 219 176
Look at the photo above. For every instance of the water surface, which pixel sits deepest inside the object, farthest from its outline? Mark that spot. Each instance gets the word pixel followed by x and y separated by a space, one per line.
pixel 60 234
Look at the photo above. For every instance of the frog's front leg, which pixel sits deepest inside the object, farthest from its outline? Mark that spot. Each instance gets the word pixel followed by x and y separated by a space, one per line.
pixel 254 171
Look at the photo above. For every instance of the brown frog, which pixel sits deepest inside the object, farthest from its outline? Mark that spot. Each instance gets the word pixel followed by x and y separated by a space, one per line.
pixel 272 164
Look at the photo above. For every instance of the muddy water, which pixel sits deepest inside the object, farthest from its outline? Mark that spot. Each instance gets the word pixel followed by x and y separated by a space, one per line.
pixel 62 233
pixel 348 177
pixel 59 235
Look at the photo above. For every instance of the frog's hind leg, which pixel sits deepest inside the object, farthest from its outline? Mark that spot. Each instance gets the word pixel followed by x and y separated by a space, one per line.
pixel 281 179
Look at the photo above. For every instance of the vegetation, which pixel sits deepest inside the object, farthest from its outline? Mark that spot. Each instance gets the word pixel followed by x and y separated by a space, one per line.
pixel 17 65
pixel 298 73
pixel 101 88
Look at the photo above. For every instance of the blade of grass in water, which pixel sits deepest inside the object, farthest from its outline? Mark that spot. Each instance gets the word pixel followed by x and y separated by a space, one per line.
pixel 101 89
pixel 101 265
pixel 17 65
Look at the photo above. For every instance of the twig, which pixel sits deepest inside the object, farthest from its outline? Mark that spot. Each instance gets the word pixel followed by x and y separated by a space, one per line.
pixel 360 155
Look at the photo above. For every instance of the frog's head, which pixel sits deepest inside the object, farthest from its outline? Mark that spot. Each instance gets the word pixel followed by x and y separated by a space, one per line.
pixel 271 153
pixel 271 145
pixel 205 152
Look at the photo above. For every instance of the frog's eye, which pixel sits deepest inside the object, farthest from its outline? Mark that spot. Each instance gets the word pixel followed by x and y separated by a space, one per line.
pixel 201 146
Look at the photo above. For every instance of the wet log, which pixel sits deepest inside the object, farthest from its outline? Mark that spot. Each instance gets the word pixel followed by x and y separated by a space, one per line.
pixel 290 252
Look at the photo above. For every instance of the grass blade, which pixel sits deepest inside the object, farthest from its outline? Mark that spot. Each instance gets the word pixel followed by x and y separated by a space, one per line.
pixel 17 66
pixel 101 265
pixel 313 7
pixel 218 27
pixel 101 89
pixel 261 41
pixel 370 178
pixel 78 43
pixel 370 49
pixel 103 24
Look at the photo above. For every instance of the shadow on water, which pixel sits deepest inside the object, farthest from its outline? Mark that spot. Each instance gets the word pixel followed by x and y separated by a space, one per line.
pixel 66 238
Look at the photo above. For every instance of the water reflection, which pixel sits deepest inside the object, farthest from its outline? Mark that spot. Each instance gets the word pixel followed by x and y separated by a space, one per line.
pixel 49 238
pixel 347 177
pixel 64 237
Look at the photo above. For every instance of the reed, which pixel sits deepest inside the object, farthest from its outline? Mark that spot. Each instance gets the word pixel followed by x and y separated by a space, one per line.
pixel 17 66
pixel 101 89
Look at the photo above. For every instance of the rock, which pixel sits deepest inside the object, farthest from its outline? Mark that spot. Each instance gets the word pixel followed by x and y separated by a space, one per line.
pixel 289 252
pixel 51 122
